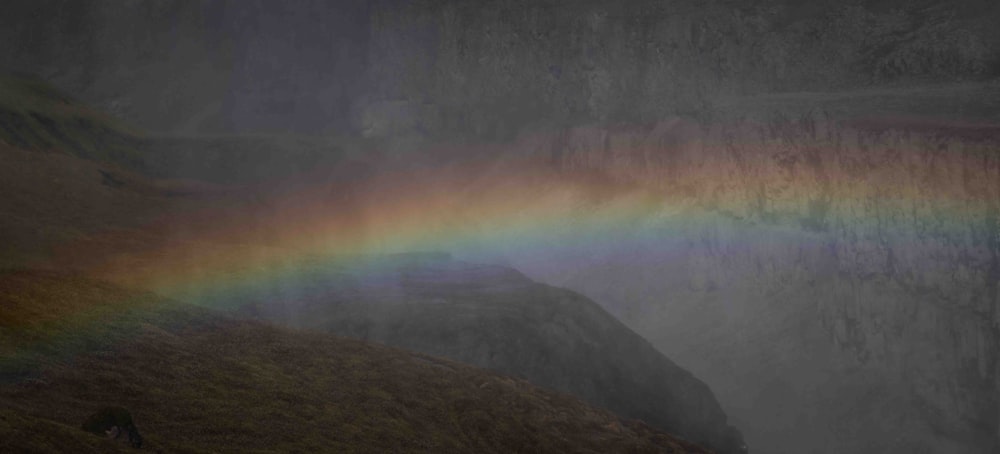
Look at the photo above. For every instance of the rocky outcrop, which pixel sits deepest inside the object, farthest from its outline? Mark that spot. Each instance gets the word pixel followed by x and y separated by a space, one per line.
pixel 494 317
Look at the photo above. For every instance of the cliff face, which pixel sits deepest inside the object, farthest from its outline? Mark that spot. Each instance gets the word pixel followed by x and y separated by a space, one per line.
pixel 836 285
pixel 492 70
pixel 489 70
pixel 814 273
pixel 196 66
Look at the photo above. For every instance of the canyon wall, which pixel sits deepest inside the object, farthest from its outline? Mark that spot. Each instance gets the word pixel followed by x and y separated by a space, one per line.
pixel 495 69
pixel 486 70
pixel 835 284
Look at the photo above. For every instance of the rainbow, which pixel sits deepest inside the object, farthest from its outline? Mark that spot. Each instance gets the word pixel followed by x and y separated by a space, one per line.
pixel 597 201
pixel 643 196
pixel 637 194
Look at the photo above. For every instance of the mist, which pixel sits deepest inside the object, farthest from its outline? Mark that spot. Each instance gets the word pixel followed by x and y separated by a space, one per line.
pixel 763 227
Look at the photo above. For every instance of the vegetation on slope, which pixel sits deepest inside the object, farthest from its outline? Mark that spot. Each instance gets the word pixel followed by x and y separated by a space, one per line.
pixel 23 433
pixel 197 382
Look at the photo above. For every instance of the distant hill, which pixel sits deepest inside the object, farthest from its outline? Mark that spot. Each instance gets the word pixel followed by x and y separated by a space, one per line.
pixel 35 115
pixel 198 382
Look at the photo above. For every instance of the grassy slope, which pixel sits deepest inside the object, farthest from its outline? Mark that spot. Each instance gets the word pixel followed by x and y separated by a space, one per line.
pixel 196 382
pixel 54 199
pixel 29 434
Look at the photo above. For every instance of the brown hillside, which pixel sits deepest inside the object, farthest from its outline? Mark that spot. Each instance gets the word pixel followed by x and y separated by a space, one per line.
pixel 198 383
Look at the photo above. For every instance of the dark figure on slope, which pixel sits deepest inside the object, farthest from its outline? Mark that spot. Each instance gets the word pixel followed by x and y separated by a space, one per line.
pixel 112 422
